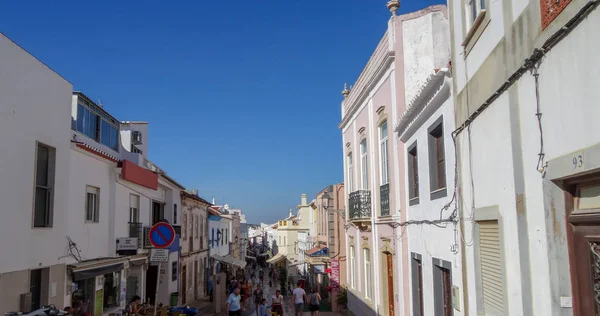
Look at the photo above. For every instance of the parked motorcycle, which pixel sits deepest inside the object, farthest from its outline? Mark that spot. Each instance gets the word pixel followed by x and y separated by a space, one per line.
pixel 48 310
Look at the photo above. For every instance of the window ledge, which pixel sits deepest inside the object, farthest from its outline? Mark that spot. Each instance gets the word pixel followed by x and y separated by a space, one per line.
pixel 413 201
pixel 480 23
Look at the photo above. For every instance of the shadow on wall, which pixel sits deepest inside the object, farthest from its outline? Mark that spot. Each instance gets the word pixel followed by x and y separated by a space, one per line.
pixel 274 247
pixel 357 306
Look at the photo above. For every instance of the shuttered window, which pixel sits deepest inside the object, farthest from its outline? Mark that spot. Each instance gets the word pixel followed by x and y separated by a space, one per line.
pixel 491 268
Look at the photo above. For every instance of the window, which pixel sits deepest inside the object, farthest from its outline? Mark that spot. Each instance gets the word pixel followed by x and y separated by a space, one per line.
pixel 367 255
pixel 474 7
pixel 87 122
pixel 134 208
pixel 413 174
pixel 227 235
pixel 222 236
pixel 352 265
pixel 184 226
pixel 112 290
pixel 201 232
pixel 490 267
pixel 44 183
pixel 212 238
pixel 175 215
pixel 174 271
pixel 92 204
pixel 364 169
pixel 437 161
pixel 350 176
pixel 99 127
pixel 109 135
pixel 196 231
pixel 383 153
pixel 135 150
pixel 417 284
pixel 442 287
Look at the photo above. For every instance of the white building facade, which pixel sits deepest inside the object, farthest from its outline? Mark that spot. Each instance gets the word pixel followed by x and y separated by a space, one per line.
pixel 36 168
pixel 426 128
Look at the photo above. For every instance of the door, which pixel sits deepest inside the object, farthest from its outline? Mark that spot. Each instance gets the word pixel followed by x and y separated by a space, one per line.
pixel 183 284
pixel 35 288
pixel 158 213
pixel 196 279
pixel 447 292
pixel 583 235
pixel 390 283
pixel 151 279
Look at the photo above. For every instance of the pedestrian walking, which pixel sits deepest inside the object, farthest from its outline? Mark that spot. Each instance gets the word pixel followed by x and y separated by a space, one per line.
pixel 258 297
pixel 234 303
pixel 298 296
pixel 277 303
pixel 314 301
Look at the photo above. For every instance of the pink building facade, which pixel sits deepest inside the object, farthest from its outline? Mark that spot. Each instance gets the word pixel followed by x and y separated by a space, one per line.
pixel 377 256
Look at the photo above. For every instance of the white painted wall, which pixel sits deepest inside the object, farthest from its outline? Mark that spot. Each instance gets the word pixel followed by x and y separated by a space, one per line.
pixel 427 240
pixel 35 105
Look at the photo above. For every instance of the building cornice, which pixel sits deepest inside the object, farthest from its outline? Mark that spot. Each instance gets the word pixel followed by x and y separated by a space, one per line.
pixel 376 67
pixel 432 94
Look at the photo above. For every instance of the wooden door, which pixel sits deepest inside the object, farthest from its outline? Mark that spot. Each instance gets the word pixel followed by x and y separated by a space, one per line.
pixel 390 272
pixel 583 236
pixel 447 292
pixel 196 279
pixel 183 284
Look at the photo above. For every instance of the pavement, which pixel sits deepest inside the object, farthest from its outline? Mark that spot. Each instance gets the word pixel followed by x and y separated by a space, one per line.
pixel 249 309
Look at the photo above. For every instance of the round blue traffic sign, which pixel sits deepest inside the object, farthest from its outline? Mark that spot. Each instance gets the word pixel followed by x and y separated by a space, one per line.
pixel 162 235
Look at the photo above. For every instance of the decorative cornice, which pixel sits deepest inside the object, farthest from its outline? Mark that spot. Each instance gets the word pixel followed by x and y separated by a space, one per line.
pixel 361 130
pixel 376 67
pixel 96 151
pixel 380 109
pixel 435 83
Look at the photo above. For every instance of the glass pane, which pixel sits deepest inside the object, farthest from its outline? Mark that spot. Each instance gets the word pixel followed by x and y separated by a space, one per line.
pixel 114 138
pixel 80 118
pixel 93 127
pixel 482 3
pixel 363 147
pixel 105 133
pixel 43 157
pixel 474 11
pixel 40 216
pixel 383 130
pixel 589 198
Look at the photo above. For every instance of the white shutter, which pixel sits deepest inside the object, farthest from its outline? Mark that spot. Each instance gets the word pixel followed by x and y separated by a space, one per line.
pixel 491 268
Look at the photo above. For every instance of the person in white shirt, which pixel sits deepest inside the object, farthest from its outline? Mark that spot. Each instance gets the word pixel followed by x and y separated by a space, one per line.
pixel 298 296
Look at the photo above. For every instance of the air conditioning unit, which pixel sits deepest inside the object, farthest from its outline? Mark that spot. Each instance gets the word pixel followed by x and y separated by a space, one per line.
pixel 136 137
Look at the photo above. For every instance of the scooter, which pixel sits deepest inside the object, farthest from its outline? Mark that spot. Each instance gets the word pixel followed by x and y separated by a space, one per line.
pixel 48 310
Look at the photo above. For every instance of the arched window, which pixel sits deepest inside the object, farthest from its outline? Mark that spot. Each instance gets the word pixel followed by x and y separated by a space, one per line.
pixel 364 167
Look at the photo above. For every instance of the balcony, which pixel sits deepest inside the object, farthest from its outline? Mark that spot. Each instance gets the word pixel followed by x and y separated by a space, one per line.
pixel 136 231
pixel 360 206
pixel 384 195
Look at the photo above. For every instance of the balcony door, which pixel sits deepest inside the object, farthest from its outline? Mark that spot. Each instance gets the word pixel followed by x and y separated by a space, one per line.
pixel 158 212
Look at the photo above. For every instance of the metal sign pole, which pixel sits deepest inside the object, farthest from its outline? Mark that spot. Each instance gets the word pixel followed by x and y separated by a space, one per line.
pixel 157 283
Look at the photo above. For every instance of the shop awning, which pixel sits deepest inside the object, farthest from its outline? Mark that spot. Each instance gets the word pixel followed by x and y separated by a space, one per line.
pixel 297 263
pixel 138 260
pixel 230 260
pixel 317 260
pixel 92 268
pixel 317 251
pixel 278 257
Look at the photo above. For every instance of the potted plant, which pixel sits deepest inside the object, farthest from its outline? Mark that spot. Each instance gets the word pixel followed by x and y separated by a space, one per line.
pixel 342 298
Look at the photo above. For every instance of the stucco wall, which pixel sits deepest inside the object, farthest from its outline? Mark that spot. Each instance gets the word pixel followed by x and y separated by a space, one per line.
pixel 35 106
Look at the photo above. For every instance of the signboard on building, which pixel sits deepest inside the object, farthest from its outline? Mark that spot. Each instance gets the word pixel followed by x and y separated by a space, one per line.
pixel 127 246
pixel 159 255
pixel 319 269
pixel 335 273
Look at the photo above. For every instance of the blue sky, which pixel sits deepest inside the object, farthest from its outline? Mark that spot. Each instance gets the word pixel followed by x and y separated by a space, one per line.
pixel 242 97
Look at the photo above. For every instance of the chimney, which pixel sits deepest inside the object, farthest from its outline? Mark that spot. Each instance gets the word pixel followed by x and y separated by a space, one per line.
pixel 291 213
pixel 214 200
pixel 303 199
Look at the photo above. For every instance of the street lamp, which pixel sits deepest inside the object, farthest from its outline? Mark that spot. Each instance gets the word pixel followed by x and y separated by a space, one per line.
pixel 325 202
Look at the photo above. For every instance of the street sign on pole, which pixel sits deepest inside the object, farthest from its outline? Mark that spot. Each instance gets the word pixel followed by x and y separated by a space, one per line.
pixel 161 235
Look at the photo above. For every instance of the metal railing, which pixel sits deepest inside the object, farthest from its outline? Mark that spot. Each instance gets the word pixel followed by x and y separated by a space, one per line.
pixel 384 195
pixel 360 204
pixel 136 231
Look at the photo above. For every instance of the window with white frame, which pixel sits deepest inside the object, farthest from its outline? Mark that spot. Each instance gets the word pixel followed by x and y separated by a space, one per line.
pixel 364 167
pixel 473 9
pixel 44 185
pixel 367 258
pixel 352 265
pixel 134 208
pixel 350 176
pixel 95 124
pixel 92 204
pixel 383 153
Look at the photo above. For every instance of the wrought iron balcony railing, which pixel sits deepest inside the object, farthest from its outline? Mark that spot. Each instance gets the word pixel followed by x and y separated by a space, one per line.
pixel 360 204
pixel 136 231
pixel 384 195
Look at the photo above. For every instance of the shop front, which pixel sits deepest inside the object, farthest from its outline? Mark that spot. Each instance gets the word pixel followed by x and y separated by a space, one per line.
pixel 99 286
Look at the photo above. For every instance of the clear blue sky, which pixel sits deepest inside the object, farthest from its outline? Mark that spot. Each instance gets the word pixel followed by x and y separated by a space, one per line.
pixel 242 97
